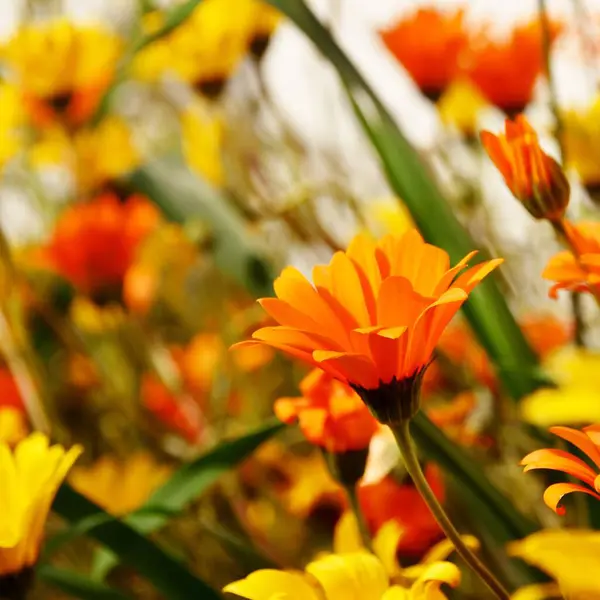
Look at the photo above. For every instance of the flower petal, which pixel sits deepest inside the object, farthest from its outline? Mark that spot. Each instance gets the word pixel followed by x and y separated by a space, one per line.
pixel 580 440
pixel 354 368
pixel 554 494
pixel 559 460
pixel 267 584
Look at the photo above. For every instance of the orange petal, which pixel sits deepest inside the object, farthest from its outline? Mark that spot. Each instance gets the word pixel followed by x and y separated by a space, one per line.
pixel 398 304
pixel 470 278
pixel 497 152
pixel 347 288
pixel 555 493
pixel 559 460
pixel 578 439
pixel 355 368
pixel 447 278
pixel 362 253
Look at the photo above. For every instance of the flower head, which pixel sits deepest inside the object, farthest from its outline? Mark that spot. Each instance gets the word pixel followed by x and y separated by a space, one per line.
pixel 94 243
pixel 63 69
pixel 330 414
pixel 577 269
pixel 460 106
pixel 506 71
pixel 588 442
pixel 30 475
pixel 428 44
pixel 373 316
pixel 533 177
pixel 120 487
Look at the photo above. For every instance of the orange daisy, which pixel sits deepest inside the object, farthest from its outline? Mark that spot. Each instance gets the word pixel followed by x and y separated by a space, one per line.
pixel 94 243
pixel 373 316
pixel 388 500
pixel 588 442
pixel 506 71
pixel 533 177
pixel 428 43
pixel 577 269
pixel 330 414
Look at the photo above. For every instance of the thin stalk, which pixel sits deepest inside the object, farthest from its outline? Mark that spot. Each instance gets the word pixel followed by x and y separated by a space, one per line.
pixel 363 529
pixel 411 461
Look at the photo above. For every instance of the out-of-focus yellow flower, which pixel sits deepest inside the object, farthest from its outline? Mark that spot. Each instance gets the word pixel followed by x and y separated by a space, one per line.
pixel 352 576
pixel 390 216
pixel 582 142
pixel 120 487
pixel 207 48
pixel 11 118
pixel 460 106
pixel 572 557
pixel 30 476
pixel 202 144
pixel 575 401
pixel 91 318
pixel 104 153
pixel 13 425
pixel 62 68
pixel 52 147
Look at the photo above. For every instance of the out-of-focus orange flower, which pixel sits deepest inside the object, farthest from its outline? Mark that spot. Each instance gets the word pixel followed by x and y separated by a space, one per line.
pixel 330 414
pixel 577 269
pixel 181 414
pixel 349 323
pixel 9 392
pixel 452 418
pixel 94 243
pixel 506 71
pixel 62 69
pixel 546 333
pixel 251 359
pixel 199 360
pixel 428 43
pixel 588 442
pixel 533 177
pixel 388 500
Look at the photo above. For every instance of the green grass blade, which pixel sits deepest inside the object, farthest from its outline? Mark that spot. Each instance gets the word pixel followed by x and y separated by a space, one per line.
pixel 77 585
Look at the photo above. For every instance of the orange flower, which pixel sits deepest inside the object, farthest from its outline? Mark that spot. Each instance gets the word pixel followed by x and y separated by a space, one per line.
pixel 373 317
pixel 578 270
pixel 388 500
pixel 588 442
pixel 94 243
pixel 533 177
pixel 506 72
pixel 546 333
pixel 427 44
pixel 330 414
pixel 10 397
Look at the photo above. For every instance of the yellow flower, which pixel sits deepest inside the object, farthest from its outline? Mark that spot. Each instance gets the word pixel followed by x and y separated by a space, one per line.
pixel 582 142
pixel 572 557
pixel 30 476
pixel 120 487
pixel 460 106
pixel 390 216
pixel 13 425
pixel 104 153
pixel 575 401
pixel 202 144
pixel 62 69
pixel 11 118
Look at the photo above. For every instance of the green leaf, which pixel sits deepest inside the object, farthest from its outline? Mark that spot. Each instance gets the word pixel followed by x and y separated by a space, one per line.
pixel 77 585
pixel 486 311
pixel 167 574
pixel 183 196
pixel 188 483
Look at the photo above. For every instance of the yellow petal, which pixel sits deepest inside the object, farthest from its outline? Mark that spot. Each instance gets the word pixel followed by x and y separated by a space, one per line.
pixel 572 557
pixel 355 576
pixel 11 501
pixel 443 549
pixel 537 591
pixel 427 587
pixel 270 584
pixel 346 536
pixel 396 593
pixel 572 405
pixel 385 546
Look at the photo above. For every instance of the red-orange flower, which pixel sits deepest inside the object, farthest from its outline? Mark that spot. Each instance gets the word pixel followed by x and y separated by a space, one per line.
pixel 428 44
pixel 577 269
pixel 373 317
pixel 330 414
pixel 506 71
pixel 10 397
pixel 389 500
pixel 588 442
pixel 533 177
pixel 94 243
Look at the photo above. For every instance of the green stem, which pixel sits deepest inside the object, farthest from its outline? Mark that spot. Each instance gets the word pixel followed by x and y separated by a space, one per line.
pixel 407 449
pixel 363 529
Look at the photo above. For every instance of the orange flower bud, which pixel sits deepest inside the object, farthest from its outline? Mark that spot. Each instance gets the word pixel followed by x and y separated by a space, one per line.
pixel 534 178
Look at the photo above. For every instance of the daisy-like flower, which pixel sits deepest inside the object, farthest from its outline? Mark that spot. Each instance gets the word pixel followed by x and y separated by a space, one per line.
pixel 533 177
pixel 428 43
pixel 373 316
pixel 330 414
pixel 577 269
pixel 30 476
pixel 505 71
pixel 588 442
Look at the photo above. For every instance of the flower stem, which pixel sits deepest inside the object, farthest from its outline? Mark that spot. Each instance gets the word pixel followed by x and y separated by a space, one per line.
pixel 407 449
pixel 365 536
